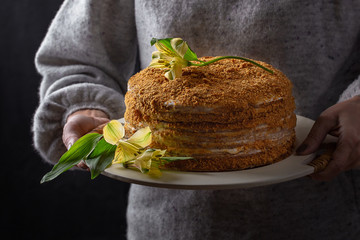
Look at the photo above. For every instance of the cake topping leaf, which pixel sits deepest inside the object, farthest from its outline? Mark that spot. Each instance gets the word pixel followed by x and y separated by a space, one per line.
pixel 174 54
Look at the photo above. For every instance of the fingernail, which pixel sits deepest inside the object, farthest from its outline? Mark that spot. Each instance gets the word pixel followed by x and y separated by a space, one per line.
pixel 69 146
pixel 302 148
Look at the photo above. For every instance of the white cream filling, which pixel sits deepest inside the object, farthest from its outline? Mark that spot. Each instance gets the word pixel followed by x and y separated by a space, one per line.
pixel 269 100
pixel 200 109
pixel 170 103
pixel 236 151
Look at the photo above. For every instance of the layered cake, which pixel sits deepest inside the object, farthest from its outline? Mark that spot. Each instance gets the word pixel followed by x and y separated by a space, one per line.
pixel 228 115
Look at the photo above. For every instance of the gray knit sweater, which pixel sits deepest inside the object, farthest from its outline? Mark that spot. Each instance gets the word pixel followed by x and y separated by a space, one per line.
pixel 93 47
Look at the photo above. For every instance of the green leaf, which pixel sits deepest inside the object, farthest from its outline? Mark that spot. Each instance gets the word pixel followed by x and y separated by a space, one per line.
pixel 100 158
pixel 190 55
pixel 172 159
pixel 80 150
pixel 153 41
pixel 165 41
pixel 165 46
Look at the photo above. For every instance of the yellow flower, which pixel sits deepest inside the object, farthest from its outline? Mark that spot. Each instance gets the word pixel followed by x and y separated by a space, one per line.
pixel 132 152
pixel 170 56
pixel 127 149
pixel 113 132
pixel 150 161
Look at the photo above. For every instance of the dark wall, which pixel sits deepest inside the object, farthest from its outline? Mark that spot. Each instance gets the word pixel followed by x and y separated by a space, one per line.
pixel 72 206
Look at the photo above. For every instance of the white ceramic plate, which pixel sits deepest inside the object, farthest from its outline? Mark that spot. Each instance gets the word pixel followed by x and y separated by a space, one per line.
pixel 288 169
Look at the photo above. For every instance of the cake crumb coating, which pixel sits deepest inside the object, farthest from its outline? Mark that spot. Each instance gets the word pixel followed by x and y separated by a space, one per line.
pixel 229 95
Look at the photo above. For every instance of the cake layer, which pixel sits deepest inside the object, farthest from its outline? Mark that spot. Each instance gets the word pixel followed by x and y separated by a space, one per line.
pixel 227 162
pixel 232 148
pixel 219 114
pixel 217 139
pixel 287 121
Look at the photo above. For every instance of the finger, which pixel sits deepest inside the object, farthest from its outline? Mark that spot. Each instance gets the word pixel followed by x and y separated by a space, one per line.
pixel 82 165
pixel 99 129
pixel 80 125
pixel 335 132
pixel 327 174
pixel 317 134
pixel 340 162
pixel 69 137
pixel 355 156
pixel 71 134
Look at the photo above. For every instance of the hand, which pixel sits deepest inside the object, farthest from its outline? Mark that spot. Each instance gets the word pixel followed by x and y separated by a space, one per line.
pixel 343 121
pixel 81 123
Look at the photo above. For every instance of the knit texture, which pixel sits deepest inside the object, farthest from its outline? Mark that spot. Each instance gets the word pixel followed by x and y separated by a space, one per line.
pixel 86 58
pixel 91 50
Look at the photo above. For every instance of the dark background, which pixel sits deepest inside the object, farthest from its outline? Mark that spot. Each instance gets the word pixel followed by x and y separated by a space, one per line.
pixel 72 206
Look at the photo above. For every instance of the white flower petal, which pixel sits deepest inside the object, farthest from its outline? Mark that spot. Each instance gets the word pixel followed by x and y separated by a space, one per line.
pixel 180 46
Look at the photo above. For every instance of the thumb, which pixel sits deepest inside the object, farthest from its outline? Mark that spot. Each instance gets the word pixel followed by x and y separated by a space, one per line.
pixel 317 134
pixel 80 125
pixel 69 140
pixel 71 133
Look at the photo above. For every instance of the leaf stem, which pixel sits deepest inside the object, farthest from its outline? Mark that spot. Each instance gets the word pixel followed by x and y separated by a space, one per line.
pixel 233 57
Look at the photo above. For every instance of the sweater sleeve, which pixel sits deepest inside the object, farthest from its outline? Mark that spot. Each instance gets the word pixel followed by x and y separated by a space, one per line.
pixel 351 91
pixel 85 60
